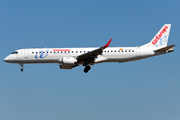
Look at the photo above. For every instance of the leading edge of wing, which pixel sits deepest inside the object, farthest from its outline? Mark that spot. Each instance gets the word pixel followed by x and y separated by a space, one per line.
pixel 93 54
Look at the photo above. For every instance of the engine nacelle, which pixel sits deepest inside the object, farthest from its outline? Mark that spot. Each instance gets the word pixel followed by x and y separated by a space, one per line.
pixel 69 60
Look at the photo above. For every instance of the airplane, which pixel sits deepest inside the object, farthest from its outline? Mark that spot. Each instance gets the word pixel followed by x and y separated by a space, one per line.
pixel 69 58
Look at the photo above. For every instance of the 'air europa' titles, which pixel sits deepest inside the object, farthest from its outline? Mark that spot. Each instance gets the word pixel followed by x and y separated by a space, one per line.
pixel 160 35
pixel 61 50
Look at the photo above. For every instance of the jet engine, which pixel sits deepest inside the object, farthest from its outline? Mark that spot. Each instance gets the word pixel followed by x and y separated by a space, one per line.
pixel 68 63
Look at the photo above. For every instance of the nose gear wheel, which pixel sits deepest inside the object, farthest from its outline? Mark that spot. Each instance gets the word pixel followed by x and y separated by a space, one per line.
pixel 21 64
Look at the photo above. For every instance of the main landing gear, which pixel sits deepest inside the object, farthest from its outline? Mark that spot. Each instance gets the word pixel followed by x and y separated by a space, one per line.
pixel 21 64
pixel 87 68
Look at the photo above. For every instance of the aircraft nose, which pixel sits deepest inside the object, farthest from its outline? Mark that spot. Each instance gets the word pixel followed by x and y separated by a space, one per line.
pixel 6 59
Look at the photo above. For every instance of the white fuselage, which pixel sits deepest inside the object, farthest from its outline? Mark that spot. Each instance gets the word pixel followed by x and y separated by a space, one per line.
pixel 55 55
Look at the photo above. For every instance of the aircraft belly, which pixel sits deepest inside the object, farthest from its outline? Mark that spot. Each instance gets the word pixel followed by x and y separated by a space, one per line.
pixel 121 57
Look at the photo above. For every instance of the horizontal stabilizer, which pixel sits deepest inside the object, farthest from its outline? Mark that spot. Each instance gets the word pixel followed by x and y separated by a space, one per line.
pixel 168 49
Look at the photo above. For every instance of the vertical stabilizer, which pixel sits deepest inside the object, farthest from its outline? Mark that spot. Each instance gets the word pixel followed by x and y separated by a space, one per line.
pixel 160 40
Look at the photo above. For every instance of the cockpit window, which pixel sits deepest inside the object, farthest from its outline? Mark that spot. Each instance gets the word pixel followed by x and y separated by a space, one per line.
pixel 14 52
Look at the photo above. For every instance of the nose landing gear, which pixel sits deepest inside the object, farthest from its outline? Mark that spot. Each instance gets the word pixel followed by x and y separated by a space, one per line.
pixel 21 69
pixel 21 64
pixel 87 68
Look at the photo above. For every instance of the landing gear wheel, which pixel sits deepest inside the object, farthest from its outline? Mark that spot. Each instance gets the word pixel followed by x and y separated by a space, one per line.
pixel 21 64
pixel 87 68
pixel 21 69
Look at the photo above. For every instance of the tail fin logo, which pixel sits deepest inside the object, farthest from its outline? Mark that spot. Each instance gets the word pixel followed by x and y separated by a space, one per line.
pixel 161 41
pixel 158 37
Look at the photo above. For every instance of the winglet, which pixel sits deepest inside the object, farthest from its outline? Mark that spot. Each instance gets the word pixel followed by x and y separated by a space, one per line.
pixel 107 45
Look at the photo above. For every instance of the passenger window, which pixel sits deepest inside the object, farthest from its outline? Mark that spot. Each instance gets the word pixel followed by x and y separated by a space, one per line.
pixel 32 52
pixel 51 52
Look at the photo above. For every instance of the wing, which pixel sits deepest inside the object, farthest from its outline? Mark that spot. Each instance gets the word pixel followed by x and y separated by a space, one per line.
pixel 90 56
